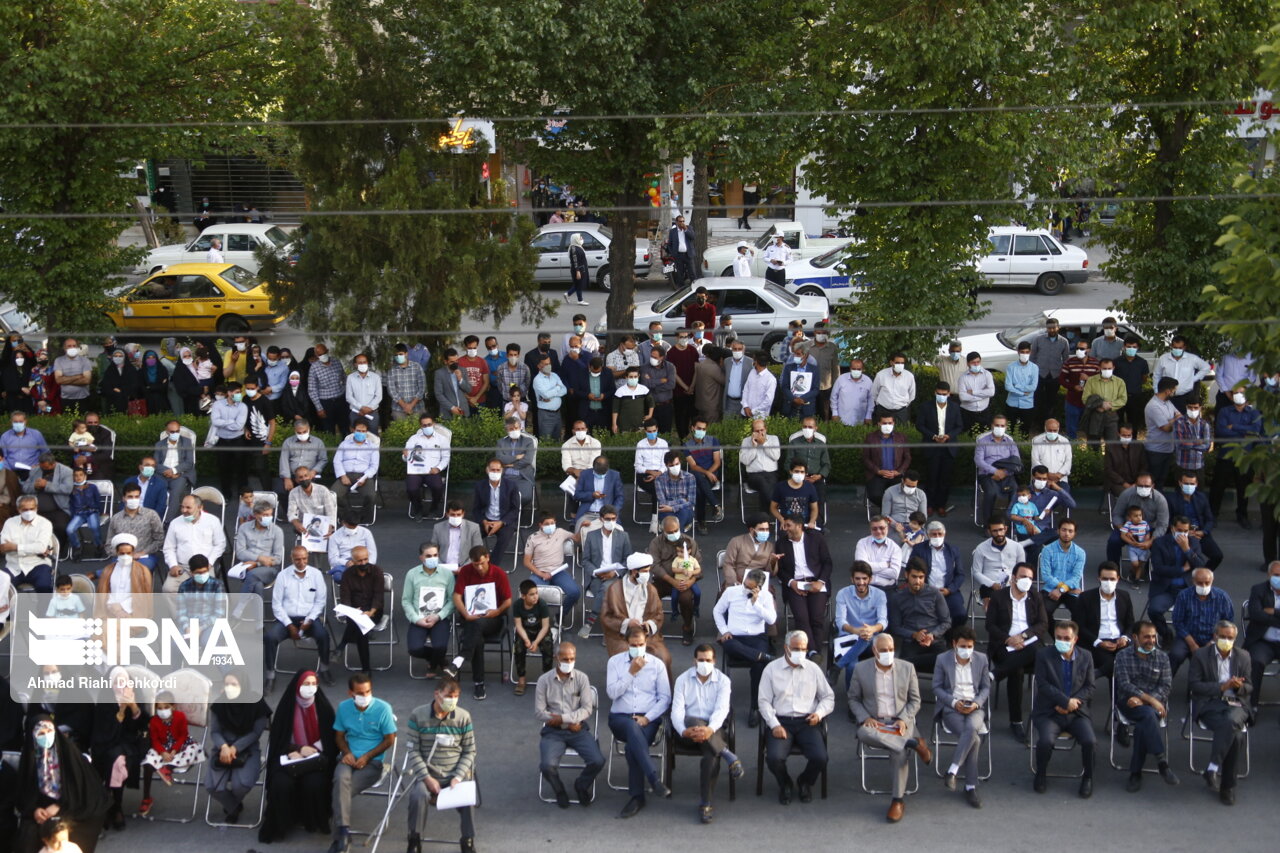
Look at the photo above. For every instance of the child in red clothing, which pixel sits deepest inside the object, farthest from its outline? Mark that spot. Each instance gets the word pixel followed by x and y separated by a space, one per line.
pixel 171 746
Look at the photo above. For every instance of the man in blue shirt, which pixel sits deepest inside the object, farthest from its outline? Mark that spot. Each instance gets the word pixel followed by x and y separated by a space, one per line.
pixel 366 728
pixel 1196 611
pixel 275 376
pixel 641 693
pixel 22 445
pixel 1062 570
pixel 1239 424
pixel 862 611
pixel 704 460
pixel 1021 378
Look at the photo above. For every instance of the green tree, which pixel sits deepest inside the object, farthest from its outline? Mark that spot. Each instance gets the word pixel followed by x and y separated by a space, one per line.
pixel 1244 303
pixel 1151 52
pixel 68 62
pixel 917 259
pixel 375 273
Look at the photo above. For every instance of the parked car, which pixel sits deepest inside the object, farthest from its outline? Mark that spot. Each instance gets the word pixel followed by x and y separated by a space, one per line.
pixel 552 245
pixel 240 242
pixel 718 260
pixel 760 309
pixel 832 274
pixel 196 298
pixel 1000 349
pixel 1024 257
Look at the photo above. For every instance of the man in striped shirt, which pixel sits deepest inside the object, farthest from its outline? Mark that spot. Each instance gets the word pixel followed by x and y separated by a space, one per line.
pixel 441 754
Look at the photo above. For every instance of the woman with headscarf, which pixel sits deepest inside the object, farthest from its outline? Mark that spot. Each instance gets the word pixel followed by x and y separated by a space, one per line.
pixel 185 382
pixel 16 363
pixel 155 383
pixel 302 729
pixel 235 729
pixel 120 383
pixel 55 780
pixel 120 739
pixel 46 394
pixel 294 401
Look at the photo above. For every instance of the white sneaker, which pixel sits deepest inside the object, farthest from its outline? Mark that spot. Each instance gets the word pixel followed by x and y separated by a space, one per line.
pixel 583 302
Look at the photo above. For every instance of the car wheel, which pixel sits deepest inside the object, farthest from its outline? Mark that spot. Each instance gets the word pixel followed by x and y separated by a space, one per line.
pixel 604 279
pixel 232 323
pixel 155 269
pixel 109 323
pixel 810 290
pixel 727 272
pixel 1050 284
pixel 775 344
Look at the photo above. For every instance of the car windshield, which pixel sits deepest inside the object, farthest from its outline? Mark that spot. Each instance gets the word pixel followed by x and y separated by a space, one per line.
pixel 240 278
pixel 766 238
pixel 276 236
pixel 826 259
pixel 1025 329
pixel 786 297
pixel 664 304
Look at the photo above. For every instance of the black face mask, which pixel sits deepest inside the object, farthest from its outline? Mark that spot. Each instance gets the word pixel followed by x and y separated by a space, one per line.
pixel 602 469
pixel 303 483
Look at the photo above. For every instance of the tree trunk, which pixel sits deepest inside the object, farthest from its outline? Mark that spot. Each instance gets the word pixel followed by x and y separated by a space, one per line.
pixel 701 200
pixel 620 308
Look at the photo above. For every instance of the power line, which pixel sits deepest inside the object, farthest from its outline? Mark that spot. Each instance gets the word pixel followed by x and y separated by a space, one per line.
pixel 570 117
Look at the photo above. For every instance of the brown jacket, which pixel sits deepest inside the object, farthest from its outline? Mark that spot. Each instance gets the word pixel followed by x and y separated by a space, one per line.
pixel 139 583
pixel 1123 465
pixel 614 611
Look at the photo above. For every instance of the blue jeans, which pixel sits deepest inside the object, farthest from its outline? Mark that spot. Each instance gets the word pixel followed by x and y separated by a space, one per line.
pixel 850 659
pixel 90 521
pixel 553 744
pixel 706 495
pixel 564 580
pixel 638 740
pixel 1073 419
pixel 684 514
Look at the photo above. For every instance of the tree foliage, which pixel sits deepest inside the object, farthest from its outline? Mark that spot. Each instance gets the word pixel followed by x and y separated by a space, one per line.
pixel 127 61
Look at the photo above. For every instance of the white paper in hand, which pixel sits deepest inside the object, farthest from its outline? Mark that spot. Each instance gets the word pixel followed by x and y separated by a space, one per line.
pixel 569 485
pixel 457 796
pixel 364 623
pixel 238 571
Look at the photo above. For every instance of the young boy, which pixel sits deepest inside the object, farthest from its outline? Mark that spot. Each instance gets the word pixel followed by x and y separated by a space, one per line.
pixel 244 512
pixel 532 622
pixel 65 604
pixel 1134 532
pixel 1023 513
pixel 82 447
pixel 84 510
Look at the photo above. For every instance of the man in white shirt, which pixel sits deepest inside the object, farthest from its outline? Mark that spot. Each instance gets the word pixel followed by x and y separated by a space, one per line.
pixel 297 603
pixel 364 393
pixel 349 536
pixel 580 451
pixel 851 401
pixel 699 709
pixel 193 532
pixel 882 554
pixel 894 390
pixel 976 387
pixel 776 257
pixel 1186 368
pixel 1053 451
pixel 214 255
pixel 743 616
pixel 355 464
pixel 650 451
pixel 759 388
pixel 993 560
pixel 28 545
pixel 794 700
pixel 426 456
pixel 759 456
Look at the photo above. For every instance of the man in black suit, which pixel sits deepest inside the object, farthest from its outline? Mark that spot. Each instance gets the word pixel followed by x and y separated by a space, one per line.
pixel 1262 633
pixel 940 425
pixel 1220 686
pixel 495 506
pixel 1189 501
pixel 1105 615
pixel 804 568
pixel 1064 686
pixel 1017 626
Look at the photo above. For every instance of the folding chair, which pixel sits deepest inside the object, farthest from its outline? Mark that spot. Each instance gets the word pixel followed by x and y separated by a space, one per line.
pixel 743 490
pixel 444 498
pixel 107 492
pixel 193 689
pixel 386 786
pixel 210 495
pixel 185 432
pixel 367 492
pixel 940 733
pixel 1272 669
pixel 1117 719
pixel 720 573
pixel 675 748
pixel 1065 742
pixel 7 625
pixel 636 494
pixel 304 644
pixel 82 585
pixel 618 749
pixel 112 454
pixel 572 753
pixel 1190 726
pixel 260 784
pixel 866 753
pixel 762 733
pixel 385 626
pixel 553 597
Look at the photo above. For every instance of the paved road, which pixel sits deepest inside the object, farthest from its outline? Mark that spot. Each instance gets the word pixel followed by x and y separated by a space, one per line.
pixel 1184 818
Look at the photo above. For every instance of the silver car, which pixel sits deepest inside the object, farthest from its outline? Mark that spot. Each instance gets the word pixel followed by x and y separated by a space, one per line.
pixel 760 309
pixel 552 246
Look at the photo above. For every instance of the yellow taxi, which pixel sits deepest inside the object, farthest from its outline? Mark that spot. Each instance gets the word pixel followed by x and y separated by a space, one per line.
pixel 197 298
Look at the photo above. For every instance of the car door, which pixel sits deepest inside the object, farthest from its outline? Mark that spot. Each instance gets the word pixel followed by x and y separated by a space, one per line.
pixel 196 304
pixel 553 260
pixel 753 317
pixel 597 253
pixel 238 249
pixel 994 265
pixel 1030 258
pixel 142 307
pixel 196 251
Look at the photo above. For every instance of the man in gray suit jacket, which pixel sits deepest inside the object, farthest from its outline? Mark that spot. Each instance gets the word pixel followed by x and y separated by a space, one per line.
pixel 176 466
pixel 961 686
pixel 518 453
pixel 1222 705
pixel 1064 686
pixel 602 546
pixel 451 388
pixel 456 535
pixel 889 724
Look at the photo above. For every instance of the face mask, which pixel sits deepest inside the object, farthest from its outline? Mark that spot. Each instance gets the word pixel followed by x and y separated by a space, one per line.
pixel 427 430
pixel 1064 647
pixel 886 429
pixel 682 342
pixel 1051 436
pixel 575 350
pixel 1203 589
pixel 579 327
pixel 699 434
pixel 738 355
pixel 251 392
pixel 324 359
pixel 367 700
pixel 164 713
pixel 1040 484
pixel 19 426
pixel 635 651
pixel 132 503
pixel 1145 650
pixel 651 435
pixel 237 397
pixel 448 704
pixel 44 740
pixel 1023 584
pixel 632 381
pixel 609 525
pixel 1024 357
pixel 975 368
pixel 188 360
pixel 799 359
pixel 495 476
pixel 566 666
pixel 673 470
pixel 656 362
pixel 1126 439
pixel 884 658
pixel 72 352
pixel 1131 351
pixel 580 434
pixel 1107 373
pixel 456 520
pixel 1225 645
pixel 797 477
pixel 148 470
pixel 964 652
pixel 1144 491
pixel 856 374
pixel 937 541
pixel 705 667
pixel 1188 489
pixel 642 578
pixel 548 529
pixel 513 434
pixel 360 437
pixel 493 351
pixel 898 368
pixel 1082 353
pixel 1238 399
pixel 955 356
pixel 673 537
pixel 201 578
pixel 1107 587
pixel 1176 353
pixel 941 399
pixel 762 536
pixel 1272 380
pixel 998 432
pixel 28 514
pixel 909 490
pixel 1275 581
pixel 19 361
pixel 1193 414
pixel 231 691
pixel 879 540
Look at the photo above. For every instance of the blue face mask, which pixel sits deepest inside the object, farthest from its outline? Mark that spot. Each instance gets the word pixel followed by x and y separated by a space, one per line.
pixel 360 437
pixel 44 740
pixel 673 537
pixel 1063 646
pixel 941 398
pixel 430 562
pixel 763 536
pixel 1188 488
pixel 1176 353
pixel 1275 581
pixel 201 578
pixel 548 529
pixel 699 434
pixel 651 435
pixel 1131 351
pixel 879 540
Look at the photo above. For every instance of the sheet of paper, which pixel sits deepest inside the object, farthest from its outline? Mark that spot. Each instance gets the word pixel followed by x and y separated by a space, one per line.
pixel 364 623
pixel 238 571
pixel 1026 642
pixel 560 568
pixel 610 567
pixel 569 485
pixel 285 760
pixel 457 796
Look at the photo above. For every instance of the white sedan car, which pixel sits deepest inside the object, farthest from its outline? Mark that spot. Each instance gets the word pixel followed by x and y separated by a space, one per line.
pixel 240 242
pixel 832 274
pixel 1023 257
pixel 552 246
pixel 1000 349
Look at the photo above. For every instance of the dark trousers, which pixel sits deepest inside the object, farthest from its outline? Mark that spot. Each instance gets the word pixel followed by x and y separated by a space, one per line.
pixel 1226 723
pixel 1046 397
pixel 353 635
pixel 969 419
pixel 232 460
pixel 40 577
pixel 900 416
pixel 686 602
pixel 992 488
pixel 1134 412
pixel 1020 418
pixel 521 654
pixel 663 414
pixel 809 740
pixel 1079 726
pixel 1270 534
pixel 1226 475
pixel 1157 606
pixel 876 486
pixel 940 464
pixel 638 739
pixel 762 482
pixel 276 633
pixel 1159 464
pixel 709 770
pixel 749 650
pixel 686 269
pixel 1104 662
pixel 335 416
pixel 1147 739
pixel 1012 666
pixel 682 404
pixel 1261 653
pixel 502 541
pixel 430 643
pixel 551 749
pixel 810 612
pixel 471 644
pixel 414 484
pixel 706 496
pixel 922 657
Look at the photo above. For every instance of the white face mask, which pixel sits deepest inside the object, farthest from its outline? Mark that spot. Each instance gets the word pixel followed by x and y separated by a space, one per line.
pixel 998 432
pixel 323 359
pixel 513 434
pixel 964 652
pixel 307 691
pixel 132 503
pixel 495 476
pixel 231 691
pixel 738 355
pixel 909 490
pixel 1107 587
pixel 673 470
pixel 1107 373
pixel 1203 589
pixel 566 666
pixel 1023 584
pixel 1238 399
pixel 471 352
pixel 705 667
pixel 302 436
pixel 1040 484
pixel 363 701
pixel 1144 491
pixel 937 541
pixel 164 713
pixel 72 352
pixel 362 367
pixel 456 520
pixel 807 432
pixel 1193 414
pixel 886 429
pixel 1024 357
pixel 609 524
pixel 1126 439
pixel 655 361
pixel 898 368
pixel 884 658
pixel 580 434
pixel 642 578
pixel 28 515
pixel 855 374
pixel 797 476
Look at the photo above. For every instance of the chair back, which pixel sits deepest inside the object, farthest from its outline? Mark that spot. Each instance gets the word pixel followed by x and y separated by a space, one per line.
pixel 194 689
